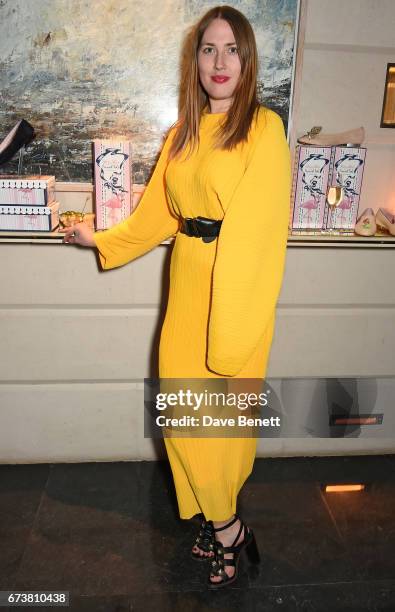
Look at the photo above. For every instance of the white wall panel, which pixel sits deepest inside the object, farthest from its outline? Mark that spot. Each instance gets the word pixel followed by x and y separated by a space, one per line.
pixel 352 22
pixel 49 344
pixel 53 276
pixel 62 274
pixel 333 342
pixel 104 422
pixel 343 90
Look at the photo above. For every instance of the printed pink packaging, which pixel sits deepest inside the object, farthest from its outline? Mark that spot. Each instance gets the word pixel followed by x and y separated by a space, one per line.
pixel 113 182
pixel 309 188
pixel 346 171
pixel 28 190
pixel 14 218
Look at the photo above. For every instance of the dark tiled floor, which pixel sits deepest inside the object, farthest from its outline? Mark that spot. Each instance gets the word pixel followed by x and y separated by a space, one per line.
pixel 109 533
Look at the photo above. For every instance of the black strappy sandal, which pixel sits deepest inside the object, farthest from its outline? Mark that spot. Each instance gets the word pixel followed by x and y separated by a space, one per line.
pixel 218 562
pixel 205 541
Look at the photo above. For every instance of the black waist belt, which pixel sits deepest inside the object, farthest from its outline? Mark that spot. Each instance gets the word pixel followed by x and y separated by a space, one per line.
pixel 201 227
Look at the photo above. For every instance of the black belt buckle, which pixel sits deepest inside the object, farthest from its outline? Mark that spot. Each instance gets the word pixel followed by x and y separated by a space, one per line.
pixel 201 227
pixel 210 228
pixel 191 228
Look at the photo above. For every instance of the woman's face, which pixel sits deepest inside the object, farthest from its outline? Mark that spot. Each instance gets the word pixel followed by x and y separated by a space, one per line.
pixel 219 64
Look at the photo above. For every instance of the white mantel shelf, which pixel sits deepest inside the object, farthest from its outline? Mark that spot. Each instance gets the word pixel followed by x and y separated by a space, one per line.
pixel 295 239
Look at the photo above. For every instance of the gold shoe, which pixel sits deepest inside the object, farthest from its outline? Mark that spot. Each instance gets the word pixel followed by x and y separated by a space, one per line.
pixel 386 220
pixel 366 223
pixel 350 137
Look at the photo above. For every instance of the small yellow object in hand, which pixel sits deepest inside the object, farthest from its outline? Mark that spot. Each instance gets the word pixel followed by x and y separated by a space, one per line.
pixel 71 217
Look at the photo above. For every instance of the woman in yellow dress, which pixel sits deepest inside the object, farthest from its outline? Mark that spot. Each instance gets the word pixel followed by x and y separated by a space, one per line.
pixel 226 165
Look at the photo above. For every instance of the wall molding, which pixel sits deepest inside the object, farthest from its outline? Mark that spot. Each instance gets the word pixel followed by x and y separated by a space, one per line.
pixel 345 48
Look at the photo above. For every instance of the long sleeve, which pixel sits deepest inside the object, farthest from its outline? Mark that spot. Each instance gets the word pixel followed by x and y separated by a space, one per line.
pixel 150 224
pixel 250 258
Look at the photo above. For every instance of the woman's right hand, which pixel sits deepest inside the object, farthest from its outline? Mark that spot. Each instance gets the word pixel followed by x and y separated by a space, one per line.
pixel 80 233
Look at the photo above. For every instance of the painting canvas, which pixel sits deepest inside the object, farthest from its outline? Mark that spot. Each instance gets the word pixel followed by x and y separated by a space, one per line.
pixel 79 73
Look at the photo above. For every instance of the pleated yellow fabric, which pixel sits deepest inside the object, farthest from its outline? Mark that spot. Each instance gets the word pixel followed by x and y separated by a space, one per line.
pixel 221 308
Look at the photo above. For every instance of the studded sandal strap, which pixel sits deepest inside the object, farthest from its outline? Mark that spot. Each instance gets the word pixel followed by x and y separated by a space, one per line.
pixel 217 567
pixel 221 551
pixel 242 526
pixel 218 563
pixel 219 571
pixel 228 524
pixel 232 549
pixel 230 562
pixel 205 538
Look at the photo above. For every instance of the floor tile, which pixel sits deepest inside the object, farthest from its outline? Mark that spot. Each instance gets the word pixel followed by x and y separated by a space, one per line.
pixel 13 543
pixel 21 488
pixel 355 468
pixel 93 562
pixel 110 533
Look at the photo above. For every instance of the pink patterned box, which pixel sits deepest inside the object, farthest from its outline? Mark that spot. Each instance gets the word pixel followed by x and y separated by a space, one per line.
pixel 309 188
pixel 113 182
pixel 347 168
pixel 14 218
pixel 33 190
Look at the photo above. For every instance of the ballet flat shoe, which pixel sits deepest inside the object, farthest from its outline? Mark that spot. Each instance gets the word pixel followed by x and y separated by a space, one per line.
pixel 350 137
pixel 21 135
pixel 386 220
pixel 366 223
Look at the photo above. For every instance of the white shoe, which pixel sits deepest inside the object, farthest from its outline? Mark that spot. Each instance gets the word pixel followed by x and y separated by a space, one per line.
pixel 366 223
pixel 351 137
pixel 386 220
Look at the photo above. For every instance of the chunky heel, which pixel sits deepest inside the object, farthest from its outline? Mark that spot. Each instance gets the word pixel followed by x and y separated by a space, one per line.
pixel 252 550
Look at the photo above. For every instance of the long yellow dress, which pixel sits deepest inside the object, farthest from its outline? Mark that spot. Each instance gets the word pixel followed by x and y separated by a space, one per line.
pixel 221 308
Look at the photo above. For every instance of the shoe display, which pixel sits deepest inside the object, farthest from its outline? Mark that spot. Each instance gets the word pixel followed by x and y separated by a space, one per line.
pixel 385 220
pixel 204 541
pixel 352 137
pixel 20 135
pixel 366 223
pixel 219 562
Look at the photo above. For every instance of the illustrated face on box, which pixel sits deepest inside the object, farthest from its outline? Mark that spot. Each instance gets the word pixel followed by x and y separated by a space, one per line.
pixel 312 173
pixel 347 173
pixel 111 162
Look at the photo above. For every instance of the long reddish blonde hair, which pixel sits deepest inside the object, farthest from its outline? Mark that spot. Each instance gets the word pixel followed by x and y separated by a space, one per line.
pixel 193 97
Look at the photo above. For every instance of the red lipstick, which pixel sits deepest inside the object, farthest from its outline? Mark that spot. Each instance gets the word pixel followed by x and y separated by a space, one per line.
pixel 220 79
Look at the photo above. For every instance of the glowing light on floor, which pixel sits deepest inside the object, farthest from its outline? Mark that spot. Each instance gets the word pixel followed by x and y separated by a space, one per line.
pixel 340 488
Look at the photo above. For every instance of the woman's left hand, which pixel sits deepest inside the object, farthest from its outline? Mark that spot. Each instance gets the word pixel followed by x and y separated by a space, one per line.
pixel 80 233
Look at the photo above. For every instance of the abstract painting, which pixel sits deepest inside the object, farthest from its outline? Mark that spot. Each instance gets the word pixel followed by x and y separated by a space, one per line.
pixel 79 70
